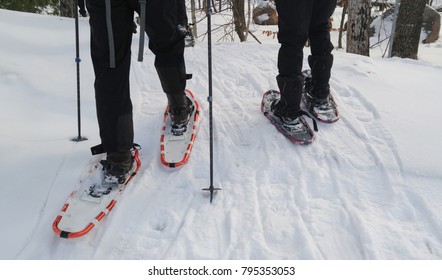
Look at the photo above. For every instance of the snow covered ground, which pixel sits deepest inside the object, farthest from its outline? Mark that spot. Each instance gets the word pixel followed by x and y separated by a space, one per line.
pixel 368 188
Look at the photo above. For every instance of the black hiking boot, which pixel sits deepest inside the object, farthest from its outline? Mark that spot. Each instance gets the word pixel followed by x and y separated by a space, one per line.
pixel 319 103
pixel 289 119
pixel 180 112
pixel 114 174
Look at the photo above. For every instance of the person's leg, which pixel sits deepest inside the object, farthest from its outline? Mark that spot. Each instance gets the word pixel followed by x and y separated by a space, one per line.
pixel 293 26
pixel 166 41
pixel 113 103
pixel 182 13
pixel 321 60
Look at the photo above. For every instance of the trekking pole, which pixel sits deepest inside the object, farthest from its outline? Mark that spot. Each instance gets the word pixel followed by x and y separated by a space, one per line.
pixel 211 188
pixel 77 61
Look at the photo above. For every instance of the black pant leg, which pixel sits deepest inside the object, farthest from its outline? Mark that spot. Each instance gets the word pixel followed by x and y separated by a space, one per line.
pixel 293 27
pixel 112 94
pixel 319 30
pixel 167 43
pixel 321 60
pixel 182 13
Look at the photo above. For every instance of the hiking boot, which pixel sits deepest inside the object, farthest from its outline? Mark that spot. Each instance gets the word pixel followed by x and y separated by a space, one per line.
pixel 319 103
pixel 180 112
pixel 292 123
pixel 114 174
pixel 288 118
pixel 323 109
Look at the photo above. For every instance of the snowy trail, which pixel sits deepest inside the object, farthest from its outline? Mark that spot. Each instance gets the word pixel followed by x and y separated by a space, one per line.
pixel 280 208
pixel 263 211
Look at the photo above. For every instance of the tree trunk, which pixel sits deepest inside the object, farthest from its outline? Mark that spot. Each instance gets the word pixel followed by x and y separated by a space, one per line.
pixel 358 25
pixel 408 28
pixel 239 19
pixel 193 14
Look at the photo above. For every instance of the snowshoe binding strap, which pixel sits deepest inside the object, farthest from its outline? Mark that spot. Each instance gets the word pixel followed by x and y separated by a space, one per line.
pixel 304 113
pixel 99 149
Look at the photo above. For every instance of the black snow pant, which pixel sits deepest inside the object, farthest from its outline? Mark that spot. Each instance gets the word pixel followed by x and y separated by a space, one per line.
pixel 300 20
pixel 182 13
pixel 81 5
pixel 112 91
